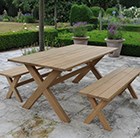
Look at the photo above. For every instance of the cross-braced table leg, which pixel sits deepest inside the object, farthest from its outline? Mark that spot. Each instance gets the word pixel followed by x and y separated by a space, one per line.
pixel 91 66
pixel 43 89
pixel 97 112
pixel 13 84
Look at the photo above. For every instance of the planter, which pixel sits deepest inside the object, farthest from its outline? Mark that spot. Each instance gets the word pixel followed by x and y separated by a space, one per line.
pixel 80 40
pixel 116 44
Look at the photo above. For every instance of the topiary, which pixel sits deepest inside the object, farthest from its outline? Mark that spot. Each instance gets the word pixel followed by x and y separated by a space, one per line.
pixel 112 11
pixel 80 13
pixel 95 10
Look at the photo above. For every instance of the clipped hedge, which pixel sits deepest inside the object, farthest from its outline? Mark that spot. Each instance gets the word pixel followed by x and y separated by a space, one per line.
pixel 12 40
pixel 109 11
pixel 95 11
pixel 50 36
pixel 80 13
pixel 129 27
pixel 131 46
pixel 17 39
pixel 89 27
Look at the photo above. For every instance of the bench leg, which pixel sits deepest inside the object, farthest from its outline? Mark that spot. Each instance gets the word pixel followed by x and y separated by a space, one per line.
pixel 13 83
pixel 132 92
pixel 98 112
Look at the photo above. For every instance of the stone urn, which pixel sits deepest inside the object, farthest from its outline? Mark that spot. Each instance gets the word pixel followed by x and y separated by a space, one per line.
pixel 116 44
pixel 80 40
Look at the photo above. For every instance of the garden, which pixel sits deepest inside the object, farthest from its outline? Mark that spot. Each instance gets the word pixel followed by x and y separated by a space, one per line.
pixel 59 24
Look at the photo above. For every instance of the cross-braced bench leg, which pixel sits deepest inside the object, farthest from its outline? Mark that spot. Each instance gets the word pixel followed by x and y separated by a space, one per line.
pixel 13 83
pixel 132 92
pixel 97 112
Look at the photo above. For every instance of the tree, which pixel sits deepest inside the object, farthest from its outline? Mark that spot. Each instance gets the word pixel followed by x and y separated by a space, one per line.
pixel 10 8
pixel 41 25
pixel 2 6
pixel 25 5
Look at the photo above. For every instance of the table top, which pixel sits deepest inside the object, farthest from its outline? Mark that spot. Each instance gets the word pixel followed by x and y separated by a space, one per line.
pixel 64 58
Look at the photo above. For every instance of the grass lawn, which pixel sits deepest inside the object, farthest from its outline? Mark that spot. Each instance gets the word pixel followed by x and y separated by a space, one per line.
pixel 13 26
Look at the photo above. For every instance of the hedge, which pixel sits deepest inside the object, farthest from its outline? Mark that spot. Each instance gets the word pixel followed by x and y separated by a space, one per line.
pixel 131 46
pixel 12 40
pixel 110 11
pixel 17 39
pixel 89 27
pixel 127 27
pixel 96 10
pixel 50 36
pixel 80 13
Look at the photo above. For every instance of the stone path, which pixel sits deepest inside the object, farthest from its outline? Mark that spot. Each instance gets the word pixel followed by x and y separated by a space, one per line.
pixel 40 121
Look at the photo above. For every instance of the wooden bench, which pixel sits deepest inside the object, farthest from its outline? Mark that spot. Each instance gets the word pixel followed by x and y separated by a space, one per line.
pixel 107 88
pixel 13 76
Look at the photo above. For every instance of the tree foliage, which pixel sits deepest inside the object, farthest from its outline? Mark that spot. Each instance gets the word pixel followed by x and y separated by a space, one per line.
pixel 63 7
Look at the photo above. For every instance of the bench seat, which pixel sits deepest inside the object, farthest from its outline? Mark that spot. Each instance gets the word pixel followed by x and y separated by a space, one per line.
pixel 107 88
pixel 13 76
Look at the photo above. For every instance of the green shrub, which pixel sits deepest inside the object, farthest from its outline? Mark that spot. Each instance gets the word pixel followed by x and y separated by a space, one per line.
pixel 89 27
pixel 28 19
pixel 110 11
pixel 129 27
pixel 25 38
pixel 5 20
pixel 95 10
pixel 80 13
pixel 17 39
pixel 94 20
pixel 51 37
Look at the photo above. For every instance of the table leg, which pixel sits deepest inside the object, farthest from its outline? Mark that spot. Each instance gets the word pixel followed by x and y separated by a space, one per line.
pixel 56 106
pixel 92 68
pixel 43 88
pixel 96 73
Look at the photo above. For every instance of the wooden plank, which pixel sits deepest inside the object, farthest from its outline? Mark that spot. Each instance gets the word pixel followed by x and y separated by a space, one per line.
pixel 109 83
pixel 100 114
pixel 13 89
pixel 56 106
pixel 81 58
pixel 13 72
pixel 100 82
pixel 132 92
pixel 30 80
pixel 41 87
pixel 74 55
pixel 95 112
pixel 69 75
pixel 119 86
pixel 70 58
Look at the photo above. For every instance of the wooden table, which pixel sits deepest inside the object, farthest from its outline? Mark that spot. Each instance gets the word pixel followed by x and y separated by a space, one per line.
pixel 60 60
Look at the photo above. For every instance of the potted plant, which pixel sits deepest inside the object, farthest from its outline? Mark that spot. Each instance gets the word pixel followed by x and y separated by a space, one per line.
pixel 114 38
pixel 80 33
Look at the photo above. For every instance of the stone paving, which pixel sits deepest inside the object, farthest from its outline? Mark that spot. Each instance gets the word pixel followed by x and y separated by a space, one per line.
pixel 40 121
